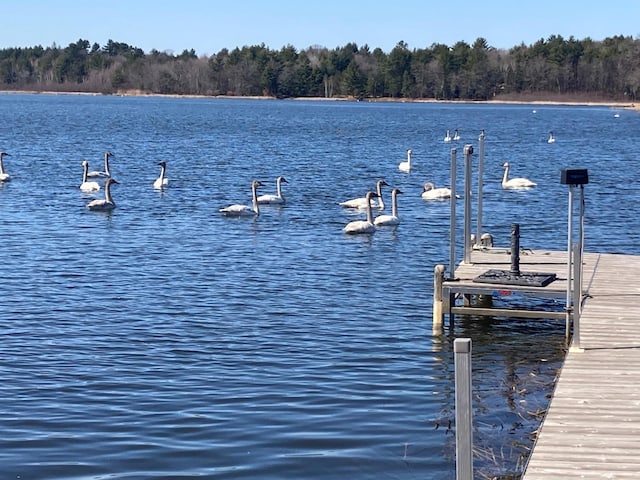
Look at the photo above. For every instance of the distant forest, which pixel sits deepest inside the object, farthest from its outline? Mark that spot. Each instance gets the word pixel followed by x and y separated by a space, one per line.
pixel 581 70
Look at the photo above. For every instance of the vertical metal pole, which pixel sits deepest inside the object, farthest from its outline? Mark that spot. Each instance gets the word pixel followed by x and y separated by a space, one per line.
pixel 581 242
pixel 568 308
pixel 577 294
pixel 515 249
pixel 468 151
pixel 480 185
pixel 452 231
pixel 464 412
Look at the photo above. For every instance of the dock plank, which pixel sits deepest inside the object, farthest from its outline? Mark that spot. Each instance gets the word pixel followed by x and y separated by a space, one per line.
pixel 592 427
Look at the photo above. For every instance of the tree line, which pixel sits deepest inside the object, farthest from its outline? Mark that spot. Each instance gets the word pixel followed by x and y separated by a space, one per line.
pixel 553 67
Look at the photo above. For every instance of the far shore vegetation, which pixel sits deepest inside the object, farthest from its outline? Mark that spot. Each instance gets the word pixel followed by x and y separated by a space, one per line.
pixel 553 69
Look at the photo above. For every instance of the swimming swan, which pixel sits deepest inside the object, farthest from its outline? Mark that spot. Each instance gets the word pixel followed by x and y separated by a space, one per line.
pixel 456 136
pixel 430 192
pixel 362 226
pixel 406 165
pixel 363 202
pixel 238 210
pixel 393 219
pixel 86 186
pixel 106 203
pixel 270 198
pixel 447 137
pixel 4 176
pixel 551 138
pixel 106 172
pixel 161 181
pixel 514 183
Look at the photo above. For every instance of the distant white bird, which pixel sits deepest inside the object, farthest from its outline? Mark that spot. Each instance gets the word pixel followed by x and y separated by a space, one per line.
pixel 551 138
pixel 406 165
pixel 456 136
pixel 515 183
pixel 161 181
pixel 447 137
pixel 430 192
pixel 362 202
pixel 362 226
pixel 106 203
pixel 393 219
pixel 4 176
pixel 278 197
pixel 87 186
pixel 239 210
pixel 106 172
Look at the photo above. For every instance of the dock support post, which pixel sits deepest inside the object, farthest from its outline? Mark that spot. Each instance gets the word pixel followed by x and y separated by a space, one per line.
pixel 570 283
pixel 464 412
pixel 452 228
pixel 468 151
pixel 577 298
pixel 480 186
pixel 438 314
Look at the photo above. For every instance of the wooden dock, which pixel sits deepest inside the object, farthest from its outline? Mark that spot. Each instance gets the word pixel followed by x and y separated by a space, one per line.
pixel 592 427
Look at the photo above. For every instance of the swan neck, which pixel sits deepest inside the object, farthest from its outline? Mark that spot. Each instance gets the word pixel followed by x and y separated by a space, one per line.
pixel 107 193
pixel 254 199
pixel 505 177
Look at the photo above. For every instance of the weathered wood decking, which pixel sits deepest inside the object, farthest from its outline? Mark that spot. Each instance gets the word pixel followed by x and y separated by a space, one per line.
pixel 592 427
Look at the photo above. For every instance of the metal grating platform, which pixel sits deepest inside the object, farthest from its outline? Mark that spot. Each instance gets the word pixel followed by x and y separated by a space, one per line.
pixel 507 277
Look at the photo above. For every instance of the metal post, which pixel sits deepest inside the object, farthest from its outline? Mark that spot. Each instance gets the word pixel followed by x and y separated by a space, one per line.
pixel 515 249
pixel 468 151
pixel 577 263
pixel 568 307
pixel 464 412
pixel 581 242
pixel 438 315
pixel 452 231
pixel 480 185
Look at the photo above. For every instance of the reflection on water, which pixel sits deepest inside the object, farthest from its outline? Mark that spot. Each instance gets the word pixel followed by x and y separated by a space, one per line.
pixel 164 340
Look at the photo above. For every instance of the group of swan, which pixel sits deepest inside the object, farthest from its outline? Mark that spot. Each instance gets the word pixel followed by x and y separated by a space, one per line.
pixel 241 210
pixel 448 138
pixel 4 176
pixel 370 225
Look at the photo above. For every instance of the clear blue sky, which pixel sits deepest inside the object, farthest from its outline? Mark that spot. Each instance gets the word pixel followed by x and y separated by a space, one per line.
pixel 208 26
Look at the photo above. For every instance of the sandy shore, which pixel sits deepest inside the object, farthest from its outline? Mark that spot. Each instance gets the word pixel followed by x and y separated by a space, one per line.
pixel 135 93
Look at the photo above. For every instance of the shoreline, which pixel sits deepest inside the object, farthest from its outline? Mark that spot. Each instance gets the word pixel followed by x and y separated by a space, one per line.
pixel 586 103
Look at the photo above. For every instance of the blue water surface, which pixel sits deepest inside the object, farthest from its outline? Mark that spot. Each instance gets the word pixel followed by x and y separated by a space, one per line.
pixel 164 340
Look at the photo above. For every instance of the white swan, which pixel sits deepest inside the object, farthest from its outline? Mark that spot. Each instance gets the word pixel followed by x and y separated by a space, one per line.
pixel 278 197
pixel 106 172
pixel 430 192
pixel 514 183
pixel 393 219
pixel 106 203
pixel 456 136
pixel 238 210
pixel 551 138
pixel 406 165
pixel 362 226
pixel 161 181
pixel 363 202
pixel 4 176
pixel 86 186
pixel 447 137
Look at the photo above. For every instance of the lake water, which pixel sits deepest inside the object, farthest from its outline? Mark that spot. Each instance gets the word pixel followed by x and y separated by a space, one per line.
pixel 164 340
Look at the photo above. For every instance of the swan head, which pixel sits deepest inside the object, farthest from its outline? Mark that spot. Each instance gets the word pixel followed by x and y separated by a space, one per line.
pixel 111 181
pixel 282 180
pixel 108 154
pixel 396 191
pixel 256 183
pixel 428 186
pixel 85 163
pixel 505 164
pixel 4 154
pixel 162 164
